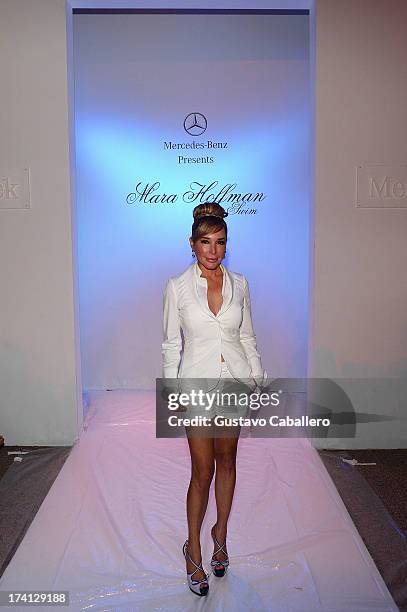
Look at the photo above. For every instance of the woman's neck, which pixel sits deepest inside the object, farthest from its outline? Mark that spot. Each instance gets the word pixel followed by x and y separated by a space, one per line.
pixel 211 274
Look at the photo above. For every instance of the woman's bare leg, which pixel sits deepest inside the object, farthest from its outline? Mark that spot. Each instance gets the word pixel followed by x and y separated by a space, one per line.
pixel 202 470
pixel 225 480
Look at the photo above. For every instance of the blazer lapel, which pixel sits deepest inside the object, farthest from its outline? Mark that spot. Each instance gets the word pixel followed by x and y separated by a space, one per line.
pixel 200 290
pixel 227 291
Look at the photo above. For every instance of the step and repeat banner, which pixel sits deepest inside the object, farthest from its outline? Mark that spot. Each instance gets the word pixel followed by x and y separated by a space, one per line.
pixel 172 110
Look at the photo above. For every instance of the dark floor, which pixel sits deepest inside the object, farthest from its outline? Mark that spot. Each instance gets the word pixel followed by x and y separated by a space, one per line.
pixel 7 460
pixel 375 497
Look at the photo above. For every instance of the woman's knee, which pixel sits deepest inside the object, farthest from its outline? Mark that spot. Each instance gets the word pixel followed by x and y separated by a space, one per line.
pixel 202 474
pixel 226 460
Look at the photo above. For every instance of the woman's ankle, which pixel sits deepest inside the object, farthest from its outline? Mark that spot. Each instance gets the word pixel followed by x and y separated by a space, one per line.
pixel 220 529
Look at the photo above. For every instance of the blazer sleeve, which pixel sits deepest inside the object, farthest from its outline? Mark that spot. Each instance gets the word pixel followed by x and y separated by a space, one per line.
pixel 248 338
pixel 172 344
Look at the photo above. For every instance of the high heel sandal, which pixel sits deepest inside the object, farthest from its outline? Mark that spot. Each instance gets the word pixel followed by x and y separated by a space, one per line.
pixel 199 587
pixel 219 567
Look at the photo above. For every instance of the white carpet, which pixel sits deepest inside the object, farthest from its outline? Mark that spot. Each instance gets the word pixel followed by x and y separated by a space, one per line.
pixel 111 528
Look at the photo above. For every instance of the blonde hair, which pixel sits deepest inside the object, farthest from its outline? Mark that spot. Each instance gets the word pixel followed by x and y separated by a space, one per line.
pixel 208 219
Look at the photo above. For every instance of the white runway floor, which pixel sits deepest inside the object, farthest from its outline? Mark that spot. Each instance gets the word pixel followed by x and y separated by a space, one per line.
pixel 111 528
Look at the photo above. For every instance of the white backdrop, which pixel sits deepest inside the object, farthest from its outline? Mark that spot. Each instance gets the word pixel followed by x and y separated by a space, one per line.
pixel 136 79
pixel 359 294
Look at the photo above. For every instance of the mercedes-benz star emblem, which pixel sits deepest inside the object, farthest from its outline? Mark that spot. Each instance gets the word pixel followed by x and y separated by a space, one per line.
pixel 195 124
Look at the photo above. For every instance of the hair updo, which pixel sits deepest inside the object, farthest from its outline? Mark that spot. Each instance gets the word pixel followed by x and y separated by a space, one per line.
pixel 208 219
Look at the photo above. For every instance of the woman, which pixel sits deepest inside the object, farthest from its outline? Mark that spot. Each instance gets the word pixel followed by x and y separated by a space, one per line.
pixel 211 305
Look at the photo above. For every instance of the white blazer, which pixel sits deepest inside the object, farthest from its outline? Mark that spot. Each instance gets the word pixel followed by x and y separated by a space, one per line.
pixel 207 336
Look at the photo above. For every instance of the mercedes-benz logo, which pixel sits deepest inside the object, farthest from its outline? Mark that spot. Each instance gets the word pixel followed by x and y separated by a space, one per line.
pixel 195 124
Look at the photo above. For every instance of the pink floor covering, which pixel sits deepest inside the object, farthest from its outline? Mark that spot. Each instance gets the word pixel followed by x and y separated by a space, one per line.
pixel 111 528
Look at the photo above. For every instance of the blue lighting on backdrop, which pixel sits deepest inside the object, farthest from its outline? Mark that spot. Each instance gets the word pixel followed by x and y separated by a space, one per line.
pixel 126 112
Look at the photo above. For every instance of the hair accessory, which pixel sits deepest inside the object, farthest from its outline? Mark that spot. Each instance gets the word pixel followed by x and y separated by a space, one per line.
pixel 221 216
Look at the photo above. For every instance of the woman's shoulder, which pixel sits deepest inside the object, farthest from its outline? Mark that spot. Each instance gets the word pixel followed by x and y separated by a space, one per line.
pixel 176 279
pixel 237 276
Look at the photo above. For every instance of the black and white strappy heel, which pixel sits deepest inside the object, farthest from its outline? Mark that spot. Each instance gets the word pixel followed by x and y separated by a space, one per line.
pixel 199 587
pixel 219 568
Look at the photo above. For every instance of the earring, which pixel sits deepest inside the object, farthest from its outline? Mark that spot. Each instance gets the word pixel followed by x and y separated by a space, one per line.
pixel 193 253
